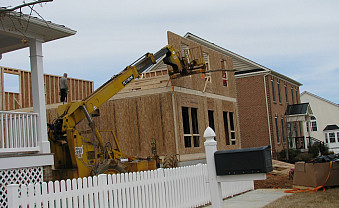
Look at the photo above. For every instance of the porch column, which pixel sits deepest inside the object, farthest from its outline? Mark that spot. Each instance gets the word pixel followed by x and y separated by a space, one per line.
pixel 38 91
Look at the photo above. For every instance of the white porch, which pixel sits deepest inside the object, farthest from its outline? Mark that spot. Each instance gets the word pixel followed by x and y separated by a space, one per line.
pixel 26 133
pixel 24 145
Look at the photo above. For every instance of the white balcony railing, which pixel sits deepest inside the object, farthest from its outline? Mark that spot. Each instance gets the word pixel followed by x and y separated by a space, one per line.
pixel 18 132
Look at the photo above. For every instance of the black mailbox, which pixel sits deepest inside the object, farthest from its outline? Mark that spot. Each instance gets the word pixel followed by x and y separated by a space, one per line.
pixel 243 161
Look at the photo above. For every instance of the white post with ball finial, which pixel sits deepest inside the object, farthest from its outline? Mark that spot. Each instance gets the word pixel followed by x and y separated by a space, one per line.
pixel 215 186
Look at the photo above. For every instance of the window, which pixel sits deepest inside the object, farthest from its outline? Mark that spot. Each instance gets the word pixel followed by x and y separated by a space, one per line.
pixel 211 119
pixel 191 127
pixel 208 76
pixel 277 129
pixel 338 136
pixel 229 128
pixel 233 139
pixel 326 138
pixel 224 75
pixel 11 82
pixel 279 95
pixel 292 95
pixel 296 96
pixel 227 136
pixel 273 90
pixel 314 124
pixel 283 130
pixel 332 137
pixel 224 79
pixel 286 94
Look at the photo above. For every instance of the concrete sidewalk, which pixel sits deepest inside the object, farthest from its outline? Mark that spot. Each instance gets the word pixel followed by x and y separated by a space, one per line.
pixel 254 199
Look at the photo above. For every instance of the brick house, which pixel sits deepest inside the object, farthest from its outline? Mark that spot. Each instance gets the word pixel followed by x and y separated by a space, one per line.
pixel 263 96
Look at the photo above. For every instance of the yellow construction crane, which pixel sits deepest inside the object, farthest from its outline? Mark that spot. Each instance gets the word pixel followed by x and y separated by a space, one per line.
pixel 78 156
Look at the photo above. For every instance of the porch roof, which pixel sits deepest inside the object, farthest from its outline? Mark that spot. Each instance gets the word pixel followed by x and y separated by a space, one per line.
pixel 17 28
pixel 298 112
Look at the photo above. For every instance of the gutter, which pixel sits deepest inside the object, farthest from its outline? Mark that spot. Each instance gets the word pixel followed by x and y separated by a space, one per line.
pixel 267 111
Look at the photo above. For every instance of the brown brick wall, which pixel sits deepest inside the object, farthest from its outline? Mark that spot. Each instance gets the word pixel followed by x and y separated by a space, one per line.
pixel 253 111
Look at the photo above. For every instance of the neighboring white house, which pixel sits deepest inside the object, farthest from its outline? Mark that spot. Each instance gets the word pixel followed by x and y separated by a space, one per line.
pixel 325 120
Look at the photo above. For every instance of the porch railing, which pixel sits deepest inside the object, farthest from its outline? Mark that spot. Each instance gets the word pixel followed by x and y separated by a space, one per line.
pixel 18 132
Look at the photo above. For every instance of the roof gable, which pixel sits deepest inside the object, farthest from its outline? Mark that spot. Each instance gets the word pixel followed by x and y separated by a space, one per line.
pixel 318 97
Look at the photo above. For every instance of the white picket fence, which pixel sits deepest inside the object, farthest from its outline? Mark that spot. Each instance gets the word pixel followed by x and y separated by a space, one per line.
pixel 162 188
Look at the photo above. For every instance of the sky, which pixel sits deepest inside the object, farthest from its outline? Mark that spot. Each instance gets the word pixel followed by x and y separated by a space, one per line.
pixel 297 38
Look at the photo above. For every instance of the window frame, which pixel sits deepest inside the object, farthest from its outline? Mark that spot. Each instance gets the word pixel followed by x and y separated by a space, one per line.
pixel 279 94
pixel 192 136
pixel 283 130
pixel 314 125
pixel 296 96
pixel 211 122
pixel 286 94
pixel 277 129
pixel 273 90
pixel 330 138
pixel 229 127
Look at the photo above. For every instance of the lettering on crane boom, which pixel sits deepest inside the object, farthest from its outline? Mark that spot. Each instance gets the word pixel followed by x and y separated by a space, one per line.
pixel 128 80
pixel 79 151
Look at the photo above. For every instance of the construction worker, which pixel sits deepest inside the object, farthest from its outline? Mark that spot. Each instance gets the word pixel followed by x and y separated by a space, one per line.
pixel 63 85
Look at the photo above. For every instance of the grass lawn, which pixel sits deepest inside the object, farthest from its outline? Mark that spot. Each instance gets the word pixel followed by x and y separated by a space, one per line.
pixel 327 199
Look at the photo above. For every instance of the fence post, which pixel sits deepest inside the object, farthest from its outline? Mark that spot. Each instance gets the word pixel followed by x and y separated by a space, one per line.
pixel 215 186
pixel 13 195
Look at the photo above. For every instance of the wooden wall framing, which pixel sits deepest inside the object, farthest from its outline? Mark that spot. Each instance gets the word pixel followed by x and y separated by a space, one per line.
pixel 78 89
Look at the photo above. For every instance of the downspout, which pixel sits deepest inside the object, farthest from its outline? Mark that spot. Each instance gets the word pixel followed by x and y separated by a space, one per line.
pixel 268 114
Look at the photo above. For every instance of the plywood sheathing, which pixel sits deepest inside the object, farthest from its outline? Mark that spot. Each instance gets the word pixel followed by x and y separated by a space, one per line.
pixel 138 121
pixel 78 89
pixel 215 59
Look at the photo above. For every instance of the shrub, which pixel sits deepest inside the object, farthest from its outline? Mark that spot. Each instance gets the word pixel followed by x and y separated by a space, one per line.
pixel 315 149
pixel 292 153
pixel 304 156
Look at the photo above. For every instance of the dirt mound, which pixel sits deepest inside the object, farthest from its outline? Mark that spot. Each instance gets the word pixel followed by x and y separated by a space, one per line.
pixel 278 178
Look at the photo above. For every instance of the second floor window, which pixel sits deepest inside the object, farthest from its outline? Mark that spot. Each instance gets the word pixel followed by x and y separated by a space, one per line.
pixel 273 90
pixel 224 75
pixel 296 96
pixel 286 94
pixel 279 95
pixel 224 79
pixel 314 124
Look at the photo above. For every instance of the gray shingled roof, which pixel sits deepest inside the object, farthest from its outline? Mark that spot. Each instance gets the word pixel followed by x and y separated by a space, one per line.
pixel 297 109
pixel 331 127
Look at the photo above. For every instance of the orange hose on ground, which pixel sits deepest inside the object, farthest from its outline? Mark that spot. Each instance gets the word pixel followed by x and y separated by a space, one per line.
pixel 296 190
